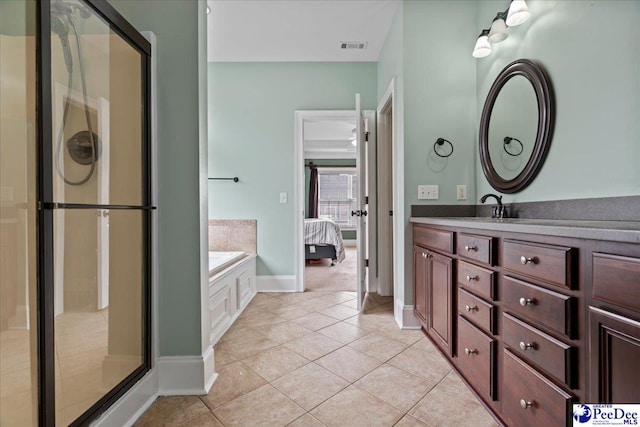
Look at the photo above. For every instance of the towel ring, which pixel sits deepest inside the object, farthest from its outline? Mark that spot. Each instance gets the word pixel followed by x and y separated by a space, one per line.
pixel 507 141
pixel 441 141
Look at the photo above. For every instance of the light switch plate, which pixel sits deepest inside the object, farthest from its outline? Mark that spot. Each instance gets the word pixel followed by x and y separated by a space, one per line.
pixel 427 192
pixel 283 197
pixel 461 192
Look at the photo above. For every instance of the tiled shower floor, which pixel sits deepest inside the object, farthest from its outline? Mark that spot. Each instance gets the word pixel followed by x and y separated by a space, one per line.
pixel 309 359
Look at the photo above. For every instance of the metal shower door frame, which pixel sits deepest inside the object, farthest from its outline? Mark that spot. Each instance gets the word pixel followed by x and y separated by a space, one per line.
pixel 46 205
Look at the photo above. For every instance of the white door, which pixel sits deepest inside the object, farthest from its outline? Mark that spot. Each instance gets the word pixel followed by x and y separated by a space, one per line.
pixel 361 212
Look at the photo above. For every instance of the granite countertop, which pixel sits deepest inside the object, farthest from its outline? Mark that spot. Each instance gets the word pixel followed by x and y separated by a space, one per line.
pixel 616 231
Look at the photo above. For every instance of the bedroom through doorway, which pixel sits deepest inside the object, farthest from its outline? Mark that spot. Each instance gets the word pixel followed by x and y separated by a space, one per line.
pixel 331 196
pixel 335 193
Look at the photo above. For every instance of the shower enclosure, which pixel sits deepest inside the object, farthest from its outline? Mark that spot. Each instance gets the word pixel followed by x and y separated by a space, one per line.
pixel 75 210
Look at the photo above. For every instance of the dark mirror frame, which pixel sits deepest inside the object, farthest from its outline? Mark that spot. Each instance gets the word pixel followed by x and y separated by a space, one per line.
pixel 534 73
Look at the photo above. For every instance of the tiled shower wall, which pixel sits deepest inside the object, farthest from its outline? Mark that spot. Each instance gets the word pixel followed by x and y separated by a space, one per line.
pixel 232 235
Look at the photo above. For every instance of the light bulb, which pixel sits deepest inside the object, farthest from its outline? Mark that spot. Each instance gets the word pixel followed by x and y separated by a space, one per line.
pixel 518 13
pixel 498 31
pixel 482 47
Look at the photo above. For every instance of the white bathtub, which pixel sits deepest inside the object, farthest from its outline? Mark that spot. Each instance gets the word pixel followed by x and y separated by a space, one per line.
pixel 218 261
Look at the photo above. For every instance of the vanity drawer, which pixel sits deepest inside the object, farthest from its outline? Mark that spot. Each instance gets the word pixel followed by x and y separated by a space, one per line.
pixel 477 310
pixel 476 357
pixel 477 248
pixel 616 280
pixel 551 309
pixel 530 399
pixel 435 239
pixel 550 354
pixel 477 279
pixel 549 263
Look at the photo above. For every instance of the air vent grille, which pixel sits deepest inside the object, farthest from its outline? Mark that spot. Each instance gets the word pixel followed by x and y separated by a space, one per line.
pixel 353 45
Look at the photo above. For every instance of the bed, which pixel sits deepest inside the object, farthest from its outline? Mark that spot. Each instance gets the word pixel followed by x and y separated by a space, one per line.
pixel 323 239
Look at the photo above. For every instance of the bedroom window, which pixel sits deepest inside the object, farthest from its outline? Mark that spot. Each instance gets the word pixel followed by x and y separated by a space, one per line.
pixel 338 195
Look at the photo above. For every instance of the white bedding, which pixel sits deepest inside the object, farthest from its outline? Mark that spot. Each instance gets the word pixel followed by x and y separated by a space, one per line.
pixel 322 231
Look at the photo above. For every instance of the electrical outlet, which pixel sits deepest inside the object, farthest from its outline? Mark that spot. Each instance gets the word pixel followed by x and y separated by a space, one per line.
pixel 461 192
pixel 427 192
pixel 283 197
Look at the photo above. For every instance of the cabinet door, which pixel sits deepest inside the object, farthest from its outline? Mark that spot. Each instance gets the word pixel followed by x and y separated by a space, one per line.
pixel 440 300
pixel 420 284
pixel 615 351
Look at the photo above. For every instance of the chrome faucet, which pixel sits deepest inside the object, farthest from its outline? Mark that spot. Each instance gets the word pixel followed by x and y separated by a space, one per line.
pixel 498 211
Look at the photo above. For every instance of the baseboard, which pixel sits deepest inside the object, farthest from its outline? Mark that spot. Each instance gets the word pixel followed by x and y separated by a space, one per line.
pixel 398 311
pixel 186 375
pixel 276 283
pixel 20 320
pixel 409 320
pixel 132 404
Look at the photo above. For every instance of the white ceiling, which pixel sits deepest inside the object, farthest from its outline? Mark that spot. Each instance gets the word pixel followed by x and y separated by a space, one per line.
pixel 297 30
pixel 325 139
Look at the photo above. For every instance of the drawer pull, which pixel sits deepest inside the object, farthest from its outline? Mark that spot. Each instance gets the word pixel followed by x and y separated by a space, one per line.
pixel 525 404
pixel 470 309
pixel 527 301
pixel 524 260
pixel 469 351
pixel 524 346
pixel 470 248
pixel 471 278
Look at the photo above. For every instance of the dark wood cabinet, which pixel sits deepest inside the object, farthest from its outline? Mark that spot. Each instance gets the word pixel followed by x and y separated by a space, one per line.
pixel 615 352
pixel 433 286
pixel 614 337
pixel 532 322
pixel 530 398
pixel 440 300
pixel 420 283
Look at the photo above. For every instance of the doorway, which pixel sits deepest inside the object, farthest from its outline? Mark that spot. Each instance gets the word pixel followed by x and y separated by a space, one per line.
pixel 327 141
pixel 331 196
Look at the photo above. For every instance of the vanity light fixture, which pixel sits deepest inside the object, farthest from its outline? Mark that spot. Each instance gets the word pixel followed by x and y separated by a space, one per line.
pixel 516 14
pixel 482 47
pixel 498 31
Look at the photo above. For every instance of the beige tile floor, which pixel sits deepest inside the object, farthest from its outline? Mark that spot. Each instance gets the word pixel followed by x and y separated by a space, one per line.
pixel 81 348
pixel 311 359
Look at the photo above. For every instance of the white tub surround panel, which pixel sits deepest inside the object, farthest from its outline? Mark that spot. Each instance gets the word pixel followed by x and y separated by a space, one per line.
pixel 231 288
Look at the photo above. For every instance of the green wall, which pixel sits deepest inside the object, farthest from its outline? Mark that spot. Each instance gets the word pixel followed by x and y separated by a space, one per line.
pixel 346 234
pixel 428 51
pixel 175 23
pixel 251 135
pixel 591 51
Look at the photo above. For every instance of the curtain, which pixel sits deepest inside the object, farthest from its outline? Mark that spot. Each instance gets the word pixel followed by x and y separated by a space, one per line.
pixel 313 192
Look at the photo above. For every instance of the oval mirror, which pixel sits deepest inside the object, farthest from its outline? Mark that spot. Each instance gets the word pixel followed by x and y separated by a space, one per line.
pixel 516 126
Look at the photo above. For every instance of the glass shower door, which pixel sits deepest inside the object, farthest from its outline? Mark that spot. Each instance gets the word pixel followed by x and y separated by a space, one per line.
pixel 18 241
pixel 97 203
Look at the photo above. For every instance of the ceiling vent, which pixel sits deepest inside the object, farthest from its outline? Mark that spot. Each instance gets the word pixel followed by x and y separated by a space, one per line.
pixel 353 45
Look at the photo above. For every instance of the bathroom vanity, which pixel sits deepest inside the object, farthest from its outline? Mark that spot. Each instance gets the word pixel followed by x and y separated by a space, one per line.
pixel 535 315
